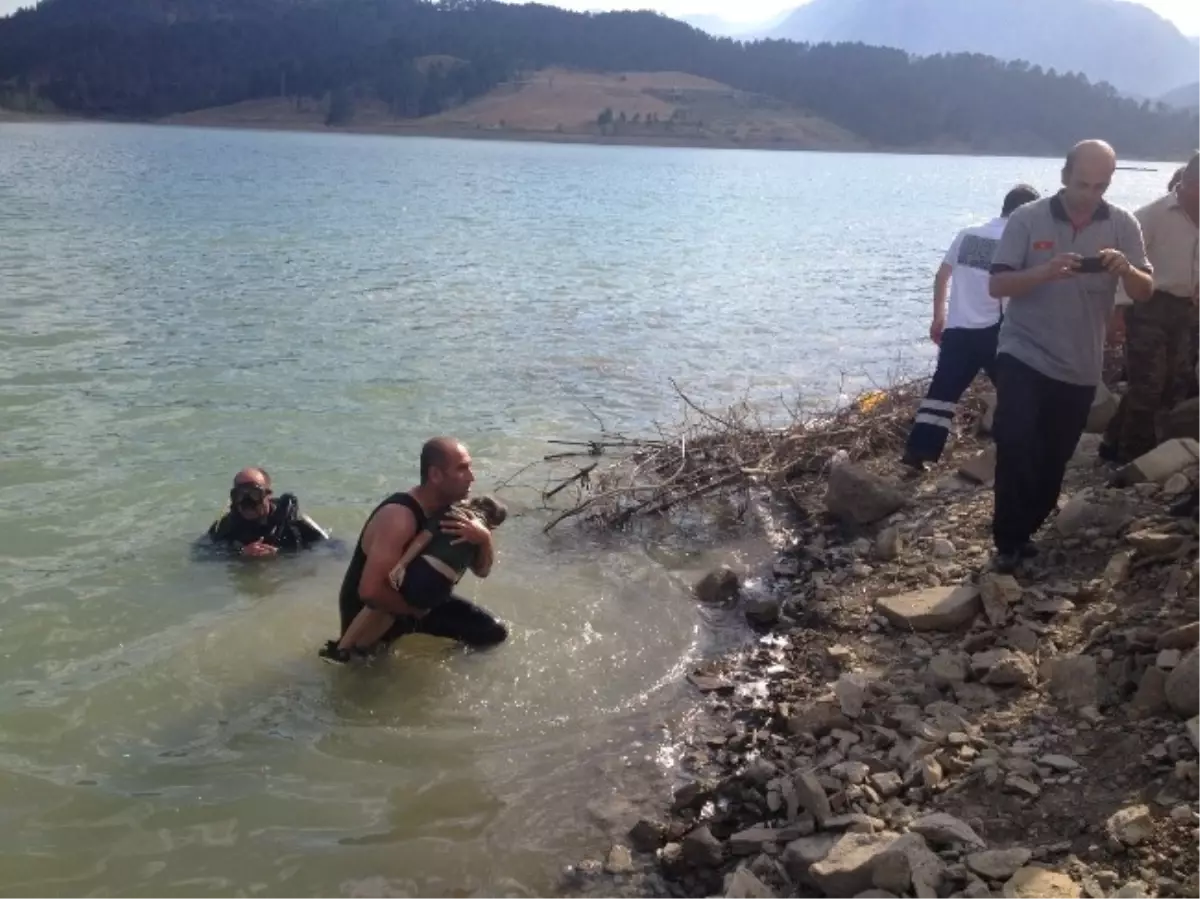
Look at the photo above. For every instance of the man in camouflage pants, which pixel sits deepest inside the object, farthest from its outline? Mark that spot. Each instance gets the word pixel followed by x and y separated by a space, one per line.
pixel 1160 333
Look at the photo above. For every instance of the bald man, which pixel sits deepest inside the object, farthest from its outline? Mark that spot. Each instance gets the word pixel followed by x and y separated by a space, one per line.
pixel 1059 263
pixel 258 525
pixel 446 478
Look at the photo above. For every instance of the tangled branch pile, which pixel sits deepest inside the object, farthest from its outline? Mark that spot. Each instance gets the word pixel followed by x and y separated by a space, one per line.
pixel 713 454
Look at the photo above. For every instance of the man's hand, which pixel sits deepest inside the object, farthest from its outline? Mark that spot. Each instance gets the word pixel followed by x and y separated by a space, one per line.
pixel 259 550
pixel 465 528
pixel 936 329
pixel 1114 261
pixel 1062 266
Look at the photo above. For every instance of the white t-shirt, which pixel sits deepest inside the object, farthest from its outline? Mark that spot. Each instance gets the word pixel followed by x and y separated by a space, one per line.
pixel 970 304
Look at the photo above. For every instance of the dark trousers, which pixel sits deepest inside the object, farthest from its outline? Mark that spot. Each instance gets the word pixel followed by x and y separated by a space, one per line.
pixel 1038 424
pixel 963 352
pixel 455 619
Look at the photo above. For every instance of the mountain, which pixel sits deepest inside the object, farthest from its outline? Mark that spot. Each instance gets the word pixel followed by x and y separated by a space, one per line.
pixel 1125 44
pixel 1186 97
pixel 721 27
pixel 149 59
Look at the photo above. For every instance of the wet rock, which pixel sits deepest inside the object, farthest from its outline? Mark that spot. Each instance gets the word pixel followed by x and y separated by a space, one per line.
pixel 691 796
pixel 742 884
pixel 1131 826
pixel 946 830
pixel 849 867
pixel 932 609
pixel 1075 681
pixel 701 849
pixel 707 683
pixel 811 796
pixel 889 544
pixel 762 610
pixel 759 771
pixel 856 496
pixel 1040 883
pixel 998 864
pixel 718 586
pixel 1151 697
pixel 851 693
pixel 1105 511
pixel 1183 686
pixel 1180 454
pixel 1184 637
pixel 647 836
pixel 998 593
pixel 620 861
pixel 947 669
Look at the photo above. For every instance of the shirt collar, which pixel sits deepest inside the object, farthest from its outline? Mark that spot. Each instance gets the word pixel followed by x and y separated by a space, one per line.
pixel 1059 210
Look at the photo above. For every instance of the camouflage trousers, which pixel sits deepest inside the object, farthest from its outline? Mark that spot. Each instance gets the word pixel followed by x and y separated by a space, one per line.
pixel 1160 364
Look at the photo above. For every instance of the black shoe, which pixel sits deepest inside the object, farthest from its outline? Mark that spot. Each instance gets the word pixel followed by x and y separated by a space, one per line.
pixel 1107 452
pixel 1006 563
pixel 331 654
pixel 918 466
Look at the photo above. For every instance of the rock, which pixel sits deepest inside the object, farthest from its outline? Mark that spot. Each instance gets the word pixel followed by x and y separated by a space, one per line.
pixel 946 830
pixel 1131 826
pixel 1168 659
pixel 762 610
pixel 1117 569
pixel 1151 697
pixel 1183 813
pixel 1176 455
pixel 942 548
pixel 1058 763
pixel 818 719
pixel 931 772
pixel 1134 889
pixel 752 840
pixel 947 669
pixel 647 836
pixel 1183 686
pixel 998 864
pixel 691 796
pixel 892 872
pixel 987 420
pixel 875 894
pixel 1011 669
pixel 742 884
pixel 1023 638
pixel 1107 512
pixel 1104 407
pixel 932 609
pixel 851 693
pixel 1014 783
pixel 1176 484
pixel 1183 637
pixel 718 586
pixel 619 860
pixel 701 849
pixel 852 772
pixel 800 855
pixel 857 496
pixel 980 468
pixel 887 783
pixel 1153 545
pixel 1193 731
pixel 707 683
pixel 999 592
pixel 1040 883
pixel 849 867
pixel 889 544
pixel 1074 681
pixel 1180 421
pixel 811 796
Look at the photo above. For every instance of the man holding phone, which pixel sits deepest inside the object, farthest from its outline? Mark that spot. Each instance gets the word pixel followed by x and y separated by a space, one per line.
pixel 1058 263
pixel 1160 350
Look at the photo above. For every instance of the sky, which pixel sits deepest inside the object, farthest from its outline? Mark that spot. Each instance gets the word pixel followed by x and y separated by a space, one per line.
pixel 1184 13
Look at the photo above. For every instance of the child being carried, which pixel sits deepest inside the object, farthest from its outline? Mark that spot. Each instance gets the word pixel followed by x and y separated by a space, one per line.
pixel 432 564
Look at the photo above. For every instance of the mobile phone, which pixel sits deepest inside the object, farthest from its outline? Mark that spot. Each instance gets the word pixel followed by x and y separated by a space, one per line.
pixel 1091 265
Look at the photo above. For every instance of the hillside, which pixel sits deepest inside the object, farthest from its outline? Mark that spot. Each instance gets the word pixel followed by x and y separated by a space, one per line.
pixel 1125 44
pixel 1186 97
pixel 664 108
pixel 412 60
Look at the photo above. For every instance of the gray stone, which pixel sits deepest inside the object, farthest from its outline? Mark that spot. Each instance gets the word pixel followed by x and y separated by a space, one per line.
pixel 1131 826
pixel 812 796
pixel 718 586
pixel 1058 763
pixel 851 693
pixel 1183 637
pixel 887 783
pixel 998 864
pixel 1074 681
pixel 743 884
pixel 852 772
pixel 1168 659
pixel 947 669
pixel 1014 783
pixel 980 468
pixel 752 840
pixel 1180 454
pixel 647 836
pixel 1151 697
pixel 701 849
pixel 1134 889
pixel 763 610
pixel 892 872
pixel 946 830
pixel 850 865
pixel 857 496
pixel 1039 883
pixel 691 796
pixel 1012 669
pixel 1183 686
pixel 942 548
pixel 619 860
pixel 998 593
pixel 932 609
pixel 1193 731
pixel 800 855
pixel 1176 484
pixel 818 718
pixel 1153 545
pixel 1023 638
pixel 889 544
pixel 1105 511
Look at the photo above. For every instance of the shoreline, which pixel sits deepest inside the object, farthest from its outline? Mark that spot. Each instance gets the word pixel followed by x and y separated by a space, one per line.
pixel 1024 738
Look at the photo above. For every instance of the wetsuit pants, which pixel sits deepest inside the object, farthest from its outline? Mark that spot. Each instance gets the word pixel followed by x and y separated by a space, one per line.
pixel 455 619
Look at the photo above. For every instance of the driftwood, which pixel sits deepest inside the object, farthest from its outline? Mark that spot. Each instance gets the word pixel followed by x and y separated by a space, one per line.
pixel 713 454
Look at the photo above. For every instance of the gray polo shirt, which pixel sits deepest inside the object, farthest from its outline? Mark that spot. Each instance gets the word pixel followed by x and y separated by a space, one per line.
pixel 1058 327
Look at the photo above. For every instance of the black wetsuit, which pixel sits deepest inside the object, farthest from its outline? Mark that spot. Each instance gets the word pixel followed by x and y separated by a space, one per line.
pixel 285 528
pixel 455 618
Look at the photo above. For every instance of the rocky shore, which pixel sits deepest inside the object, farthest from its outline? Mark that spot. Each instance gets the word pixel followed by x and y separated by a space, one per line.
pixel 910 724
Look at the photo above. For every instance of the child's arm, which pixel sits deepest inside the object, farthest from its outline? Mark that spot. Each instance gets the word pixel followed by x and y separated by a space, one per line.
pixel 367 629
pixel 414 548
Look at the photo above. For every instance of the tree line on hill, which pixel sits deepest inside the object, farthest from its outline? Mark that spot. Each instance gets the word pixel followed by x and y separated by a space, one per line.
pixel 151 58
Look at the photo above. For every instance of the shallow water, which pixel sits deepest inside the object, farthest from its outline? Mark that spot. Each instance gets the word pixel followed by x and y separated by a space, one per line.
pixel 179 303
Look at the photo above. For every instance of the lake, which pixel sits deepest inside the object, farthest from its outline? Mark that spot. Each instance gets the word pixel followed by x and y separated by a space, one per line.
pixel 179 303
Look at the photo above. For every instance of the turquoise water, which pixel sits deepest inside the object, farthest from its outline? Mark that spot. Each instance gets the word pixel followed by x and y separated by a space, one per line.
pixel 179 303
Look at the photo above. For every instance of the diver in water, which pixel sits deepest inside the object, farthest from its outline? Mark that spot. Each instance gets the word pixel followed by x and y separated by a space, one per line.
pixel 258 524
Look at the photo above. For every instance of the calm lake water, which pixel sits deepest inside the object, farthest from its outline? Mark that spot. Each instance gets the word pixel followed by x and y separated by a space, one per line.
pixel 176 304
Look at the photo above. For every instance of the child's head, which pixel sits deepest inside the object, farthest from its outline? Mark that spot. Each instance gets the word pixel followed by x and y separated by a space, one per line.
pixel 490 509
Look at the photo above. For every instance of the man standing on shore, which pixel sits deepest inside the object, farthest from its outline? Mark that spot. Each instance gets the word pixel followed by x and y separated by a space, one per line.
pixel 1160 334
pixel 1051 346
pixel 966 333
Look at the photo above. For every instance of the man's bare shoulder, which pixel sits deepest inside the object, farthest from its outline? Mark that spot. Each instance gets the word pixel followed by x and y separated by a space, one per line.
pixel 392 520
